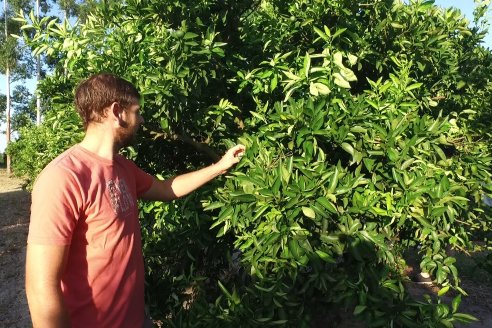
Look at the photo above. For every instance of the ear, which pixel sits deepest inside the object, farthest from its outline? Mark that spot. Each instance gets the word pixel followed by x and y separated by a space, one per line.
pixel 115 112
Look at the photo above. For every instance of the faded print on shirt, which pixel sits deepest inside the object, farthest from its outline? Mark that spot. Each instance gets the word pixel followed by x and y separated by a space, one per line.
pixel 119 195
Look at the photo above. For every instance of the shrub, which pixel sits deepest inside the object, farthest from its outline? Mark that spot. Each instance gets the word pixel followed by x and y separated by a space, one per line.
pixel 38 145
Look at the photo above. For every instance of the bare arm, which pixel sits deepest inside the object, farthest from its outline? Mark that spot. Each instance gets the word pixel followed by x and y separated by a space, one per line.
pixel 182 185
pixel 44 268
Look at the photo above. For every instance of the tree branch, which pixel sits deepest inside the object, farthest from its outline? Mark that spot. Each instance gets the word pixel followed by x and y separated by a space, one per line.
pixel 200 146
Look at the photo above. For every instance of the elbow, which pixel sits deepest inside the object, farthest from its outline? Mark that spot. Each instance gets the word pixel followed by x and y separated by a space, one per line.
pixel 46 306
pixel 34 293
pixel 30 289
pixel 38 292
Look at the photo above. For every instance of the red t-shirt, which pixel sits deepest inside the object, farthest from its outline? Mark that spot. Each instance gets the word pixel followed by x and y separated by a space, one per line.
pixel 90 203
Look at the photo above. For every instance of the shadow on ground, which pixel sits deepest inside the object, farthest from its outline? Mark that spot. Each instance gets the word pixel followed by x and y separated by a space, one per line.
pixel 14 221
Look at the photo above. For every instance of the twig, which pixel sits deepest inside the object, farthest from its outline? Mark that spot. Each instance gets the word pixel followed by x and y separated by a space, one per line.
pixel 200 146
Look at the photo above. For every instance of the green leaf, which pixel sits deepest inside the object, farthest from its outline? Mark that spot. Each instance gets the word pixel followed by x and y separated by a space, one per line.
pixel 463 317
pixel 164 123
pixel 462 291
pixel 443 291
pixel 322 89
pixel 337 59
pixel 358 129
pixel 348 75
pixel 273 82
pixel 294 249
pixel 352 59
pixel 222 231
pixel 27 26
pixel 413 86
pixel 307 64
pixel 246 198
pixel 407 163
pixel 190 35
pixel 348 148
pixel 359 309
pixel 372 103
pixel 213 206
pixel 339 32
pixel 258 116
pixel 279 322
pixel 340 81
pixel 291 75
pixel 260 212
pixel 321 34
pixel 439 152
pixel 327 204
pixel 313 90
pixel 456 303
pixel 333 181
pixel 309 212
pixel 369 163
pixel 325 257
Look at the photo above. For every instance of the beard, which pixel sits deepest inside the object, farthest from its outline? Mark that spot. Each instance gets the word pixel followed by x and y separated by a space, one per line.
pixel 126 137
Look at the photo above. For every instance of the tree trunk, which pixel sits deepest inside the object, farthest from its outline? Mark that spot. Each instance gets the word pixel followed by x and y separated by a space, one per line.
pixel 65 18
pixel 7 75
pixel 38 78
pixel 7 111
pixel 38 96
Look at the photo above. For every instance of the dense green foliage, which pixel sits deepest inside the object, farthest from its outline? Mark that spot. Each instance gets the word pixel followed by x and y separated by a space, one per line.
pixel 364 130
pixel 38 145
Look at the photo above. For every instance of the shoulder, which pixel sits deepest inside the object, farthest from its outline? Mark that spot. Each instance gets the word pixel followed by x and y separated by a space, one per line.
pixel 63 169
pixel 122 160
pixel 138 177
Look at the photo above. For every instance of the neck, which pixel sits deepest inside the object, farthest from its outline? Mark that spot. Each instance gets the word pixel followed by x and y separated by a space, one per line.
pixel 100 141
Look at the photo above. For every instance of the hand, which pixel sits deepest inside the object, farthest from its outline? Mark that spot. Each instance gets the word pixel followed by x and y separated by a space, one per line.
pixel 231 157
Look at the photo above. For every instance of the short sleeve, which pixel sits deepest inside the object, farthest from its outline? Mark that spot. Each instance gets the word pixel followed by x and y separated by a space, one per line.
pixel 55 209
pixel 143 180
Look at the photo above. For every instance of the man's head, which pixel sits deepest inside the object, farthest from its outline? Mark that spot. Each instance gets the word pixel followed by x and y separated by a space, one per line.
pixel 94 96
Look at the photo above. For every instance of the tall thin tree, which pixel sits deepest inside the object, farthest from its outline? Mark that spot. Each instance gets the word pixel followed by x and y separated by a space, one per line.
pixel 7 76
pixel 38 78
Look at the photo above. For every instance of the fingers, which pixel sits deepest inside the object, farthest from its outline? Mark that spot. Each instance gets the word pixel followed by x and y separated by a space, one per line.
pixel 233 156
pixel 237 151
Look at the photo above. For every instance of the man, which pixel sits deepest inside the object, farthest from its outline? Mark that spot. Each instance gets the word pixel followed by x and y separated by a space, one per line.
pixel 84 264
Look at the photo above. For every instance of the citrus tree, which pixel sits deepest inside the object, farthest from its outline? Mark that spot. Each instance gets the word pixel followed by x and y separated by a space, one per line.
pixel 364 135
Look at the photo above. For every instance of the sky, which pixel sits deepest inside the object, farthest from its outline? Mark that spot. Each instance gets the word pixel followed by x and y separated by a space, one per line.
pixel 466 7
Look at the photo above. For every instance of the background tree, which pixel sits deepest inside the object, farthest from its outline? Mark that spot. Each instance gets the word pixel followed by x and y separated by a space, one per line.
pixel 3 106
pixel 76 9
pixel 15 62
pixel 24 108
pixel 21 64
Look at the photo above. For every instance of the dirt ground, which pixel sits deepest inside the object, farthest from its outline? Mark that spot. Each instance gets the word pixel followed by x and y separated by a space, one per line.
pixel 14 222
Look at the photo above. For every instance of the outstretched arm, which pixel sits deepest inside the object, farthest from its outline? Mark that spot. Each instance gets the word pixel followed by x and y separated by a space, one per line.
pixel 182 185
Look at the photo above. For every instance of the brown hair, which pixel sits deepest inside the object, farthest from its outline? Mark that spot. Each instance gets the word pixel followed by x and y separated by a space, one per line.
pixel 99 91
